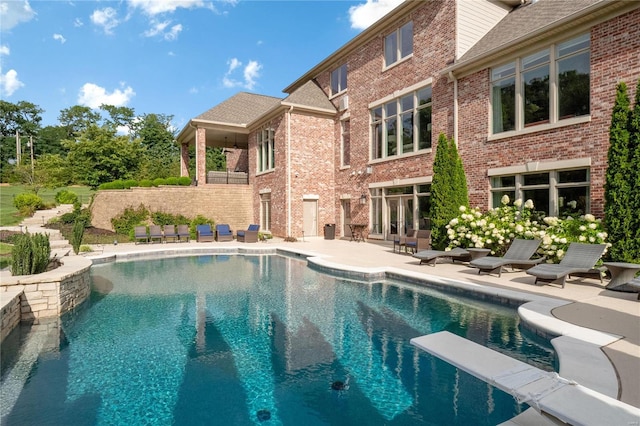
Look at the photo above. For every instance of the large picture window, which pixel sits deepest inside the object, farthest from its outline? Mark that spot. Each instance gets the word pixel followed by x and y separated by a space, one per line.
pixel 402 126
pixel 399 44
pixel 545 87
pixel 555 193
pixel 266 155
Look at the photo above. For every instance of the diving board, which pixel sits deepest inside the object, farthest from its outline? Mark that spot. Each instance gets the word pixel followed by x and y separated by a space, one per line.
pixel 551 395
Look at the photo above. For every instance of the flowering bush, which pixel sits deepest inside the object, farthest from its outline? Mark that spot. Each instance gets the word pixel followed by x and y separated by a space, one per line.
pixel 496 228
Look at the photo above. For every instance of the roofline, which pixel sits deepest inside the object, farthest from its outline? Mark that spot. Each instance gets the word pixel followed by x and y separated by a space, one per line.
pixel 600 12
pixel 365 35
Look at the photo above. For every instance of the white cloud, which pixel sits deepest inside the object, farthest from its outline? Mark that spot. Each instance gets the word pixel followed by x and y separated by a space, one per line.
pixel 105 18
pixel 193 90
pixel 250 73
pixel 78 23
pixel 156 7
pixel 9 82
pixel 14 12
pixel 4 50
pixel 93 96
pixel 60 38
pixel 160 28
pixel 363 15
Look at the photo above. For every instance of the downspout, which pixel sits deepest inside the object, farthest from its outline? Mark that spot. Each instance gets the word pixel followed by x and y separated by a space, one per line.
pixel 289 171
pixel 196 149
pixel 455 106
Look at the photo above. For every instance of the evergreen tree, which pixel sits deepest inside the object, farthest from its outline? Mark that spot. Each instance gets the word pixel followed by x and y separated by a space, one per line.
pixel 616 189
pixel 634 178
pixel 448 190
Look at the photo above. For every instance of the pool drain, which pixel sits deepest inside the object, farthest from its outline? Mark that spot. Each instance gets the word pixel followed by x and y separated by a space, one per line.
pixel 264 415
pixel 338 385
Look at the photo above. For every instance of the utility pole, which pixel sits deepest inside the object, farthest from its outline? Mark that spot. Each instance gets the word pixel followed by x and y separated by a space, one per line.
pixel 31 146
pixel 18 148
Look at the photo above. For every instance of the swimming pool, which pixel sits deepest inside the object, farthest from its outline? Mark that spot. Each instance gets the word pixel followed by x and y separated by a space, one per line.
pixel 261 340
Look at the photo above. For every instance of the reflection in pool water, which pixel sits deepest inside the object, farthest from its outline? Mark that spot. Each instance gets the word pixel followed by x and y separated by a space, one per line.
pixel 262 340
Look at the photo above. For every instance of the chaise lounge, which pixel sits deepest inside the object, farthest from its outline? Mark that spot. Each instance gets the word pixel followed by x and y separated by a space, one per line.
pixel 518 256
pixel 579 259
pixel 155 233
pixel 248 236
pixel 170 232
pixel 183 233
pixel 140 234
pixel 430 257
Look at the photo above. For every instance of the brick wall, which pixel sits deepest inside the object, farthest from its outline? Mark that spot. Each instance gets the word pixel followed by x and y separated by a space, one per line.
pixel 615 57
pixel 230 204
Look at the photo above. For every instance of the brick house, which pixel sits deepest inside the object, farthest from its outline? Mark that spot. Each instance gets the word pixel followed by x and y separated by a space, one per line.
pixel 526 90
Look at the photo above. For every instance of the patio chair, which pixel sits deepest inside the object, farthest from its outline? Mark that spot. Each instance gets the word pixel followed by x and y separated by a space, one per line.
pixel 420 242
pixel 140 234
pixel 579 259
pixel 155 233
pixel 248 236
pixel 170 232
pixel 223 232
pixel 518 256
pixel 183 233
pixel 430 257
pixel 399 241
pixel 204 233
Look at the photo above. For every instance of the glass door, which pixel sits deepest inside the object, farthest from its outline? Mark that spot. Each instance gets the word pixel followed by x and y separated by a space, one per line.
pixel 400 214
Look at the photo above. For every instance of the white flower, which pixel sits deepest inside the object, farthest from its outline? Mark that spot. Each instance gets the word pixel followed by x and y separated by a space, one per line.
pixel 589 218
pixel 519 228
pixel 529 204
pixel 518 202
pixel 492 225
pixel 450 231
pixel 563 240
pixel 478 214
pixel 582 238
pixel 505 199
pixel 593 225
pixel 560 253
pixel 572 204
pixel 601 235
pixel 453 221
pixel 462 208
pixel 583 228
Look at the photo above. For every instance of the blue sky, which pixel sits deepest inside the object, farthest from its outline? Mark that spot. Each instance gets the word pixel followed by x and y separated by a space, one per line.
pixel 178 57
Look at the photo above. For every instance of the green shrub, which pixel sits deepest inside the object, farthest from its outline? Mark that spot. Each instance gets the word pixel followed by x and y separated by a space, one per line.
pixel 130 183
pixel 184 180
pixel 145 183
pixel 30 254
pixel 161 218
pixel 129 218
pixel 199 220
pixel 66 197
pixel 172 181
pixel 159 181
pixel 27 203
pixel 116 184
pixel 85 249
pixel 78 233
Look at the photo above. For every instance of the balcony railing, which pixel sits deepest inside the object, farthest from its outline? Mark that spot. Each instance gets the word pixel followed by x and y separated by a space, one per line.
pixel 236 178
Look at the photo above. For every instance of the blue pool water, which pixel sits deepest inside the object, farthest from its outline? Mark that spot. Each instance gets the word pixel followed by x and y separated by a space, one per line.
pixel 258 340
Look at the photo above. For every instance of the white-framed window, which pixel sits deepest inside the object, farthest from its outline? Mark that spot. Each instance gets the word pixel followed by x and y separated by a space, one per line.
pixel 544 87
pixel 402 125
pixel 345 143
pixel 265 147
pixel 399 44
pixel 339 79
pixel 555 193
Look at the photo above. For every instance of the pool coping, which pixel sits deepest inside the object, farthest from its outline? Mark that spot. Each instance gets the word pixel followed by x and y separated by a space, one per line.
pixel 579 352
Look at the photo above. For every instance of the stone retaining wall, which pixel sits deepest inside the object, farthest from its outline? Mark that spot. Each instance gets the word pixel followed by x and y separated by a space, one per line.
pixel 51 293
pixel 230 204
pixel 10 312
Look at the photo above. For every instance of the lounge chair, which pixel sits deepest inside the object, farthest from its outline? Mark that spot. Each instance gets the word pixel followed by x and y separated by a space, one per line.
pixel 170 232
pixel 518 256
pixel 420 242
pixel 579 259
pixel 399 241
pixel 155 233
pixel 430 257
pixel 248 236
pixel 204 233
pixel 140 234
pixel 183 233
pixel 223 232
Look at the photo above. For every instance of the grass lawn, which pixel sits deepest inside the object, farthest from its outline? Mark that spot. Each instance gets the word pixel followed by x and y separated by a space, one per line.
pixel 9 214
pixel 5 255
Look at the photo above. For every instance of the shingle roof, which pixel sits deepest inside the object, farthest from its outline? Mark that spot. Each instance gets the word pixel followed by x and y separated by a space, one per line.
pixel 240 109
pixel 310 95
pixel 524 21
